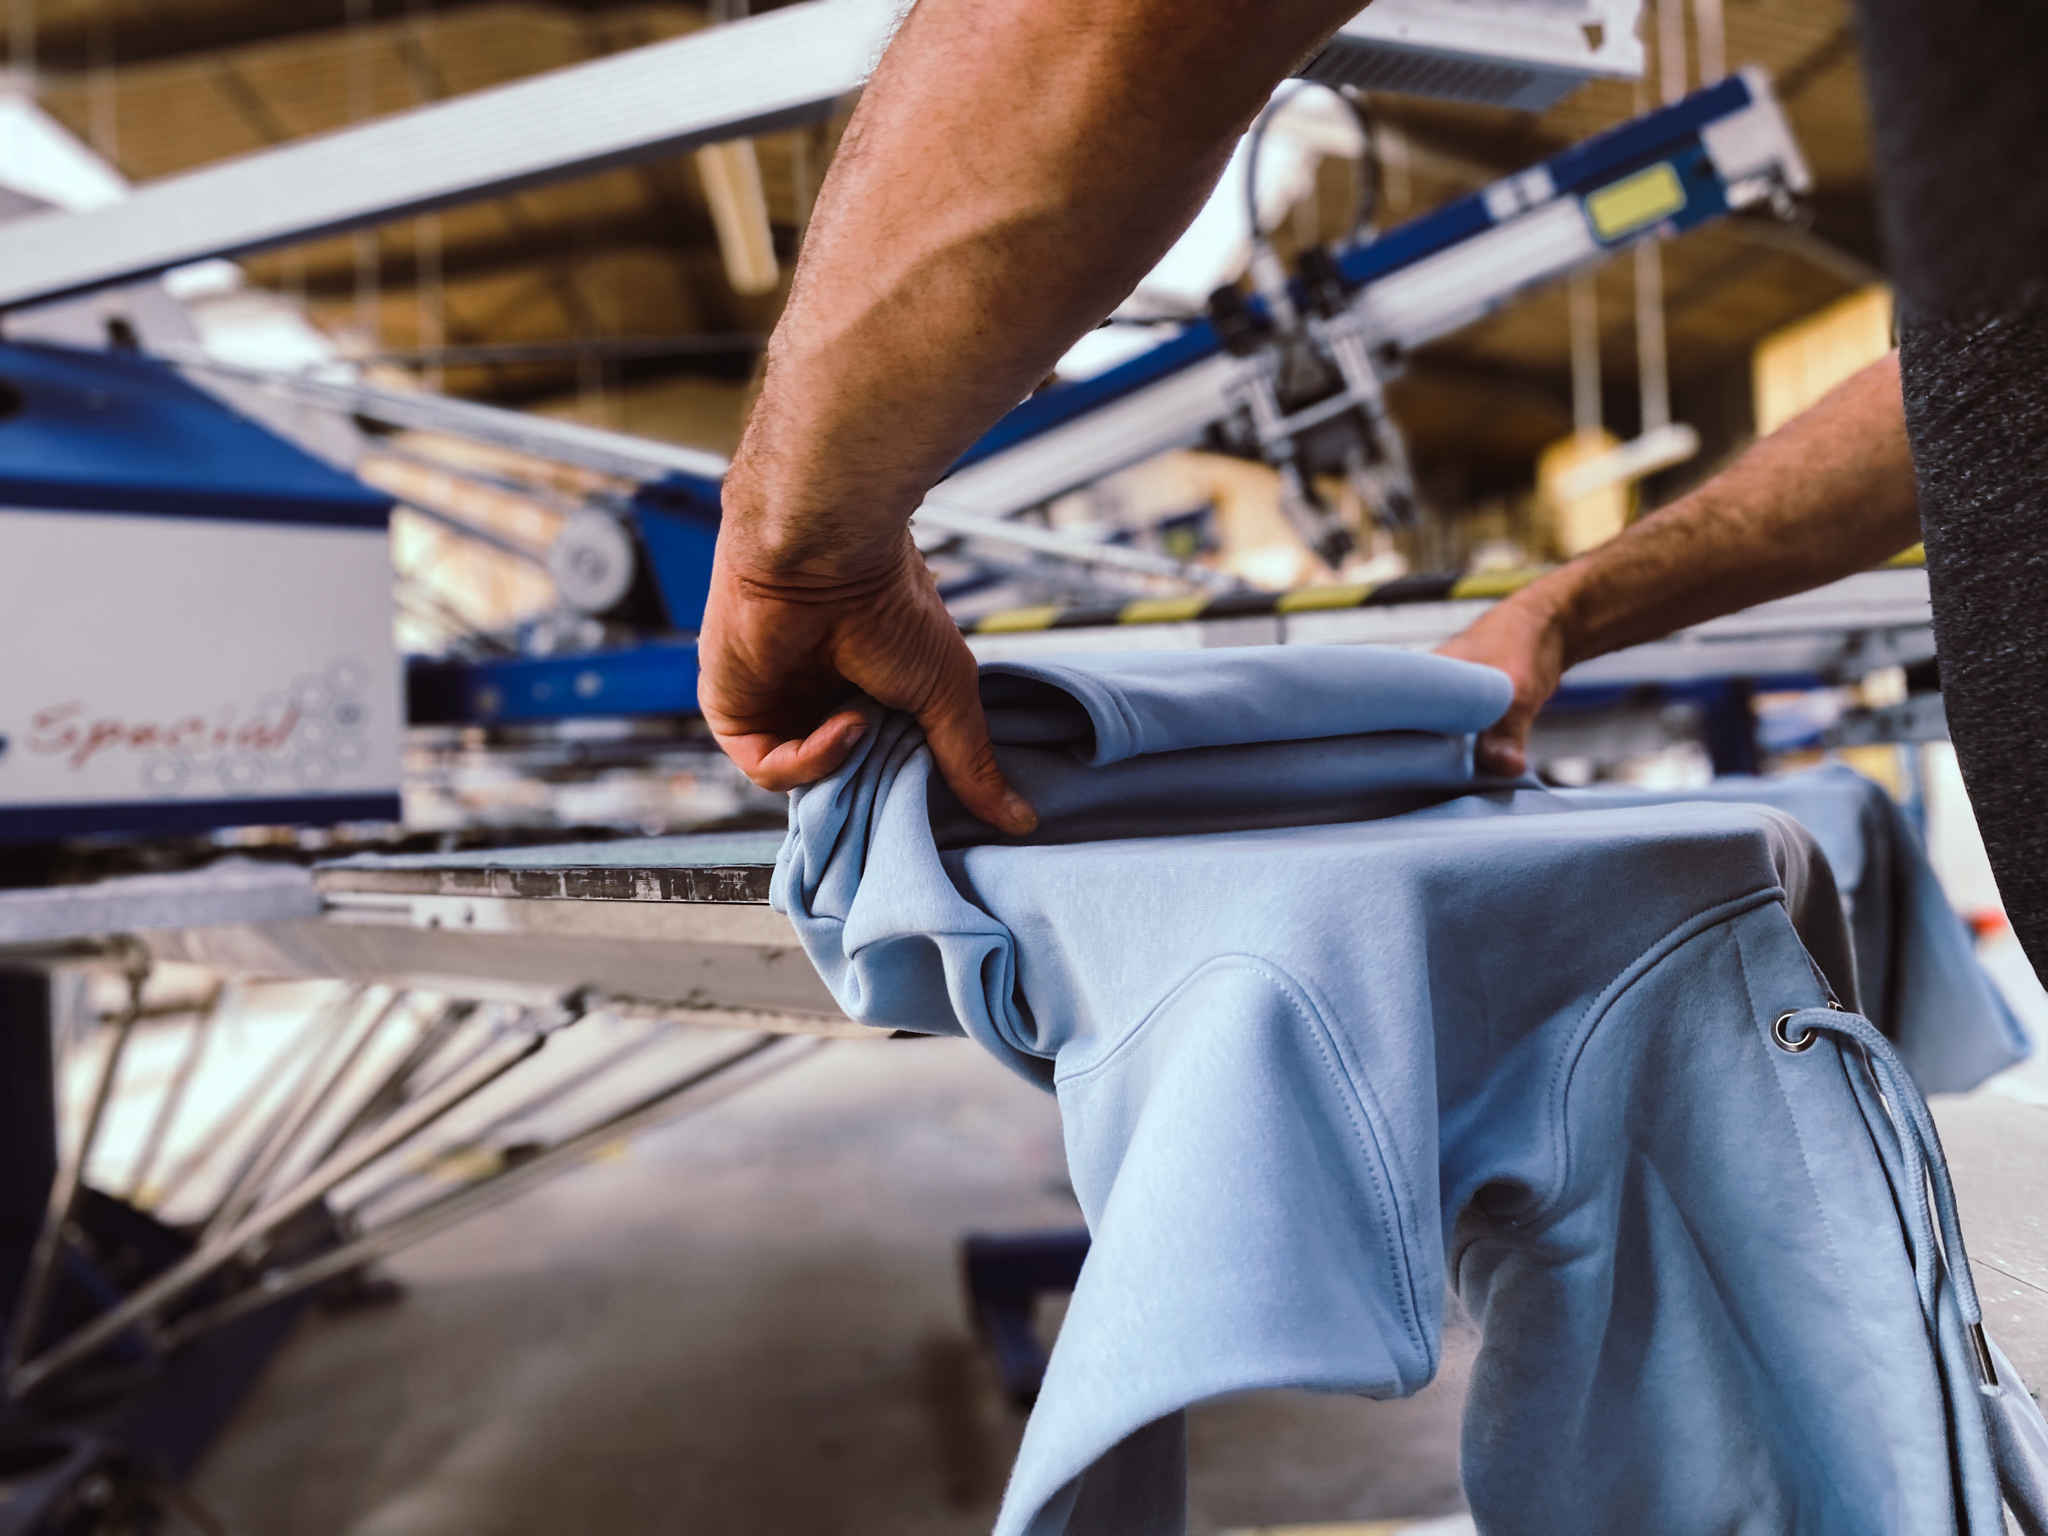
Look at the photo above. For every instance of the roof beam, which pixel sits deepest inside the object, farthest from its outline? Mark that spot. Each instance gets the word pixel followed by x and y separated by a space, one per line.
pixel 774 71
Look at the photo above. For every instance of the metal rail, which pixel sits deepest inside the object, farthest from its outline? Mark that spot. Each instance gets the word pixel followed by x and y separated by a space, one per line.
pixel 214 1252
pixel 316 1092
pixel 721 1079
pixel 174 1097
pixel 47 1256
pixel 645 461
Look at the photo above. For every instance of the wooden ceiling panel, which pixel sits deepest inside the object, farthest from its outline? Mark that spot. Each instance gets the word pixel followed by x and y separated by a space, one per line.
pixel 73 36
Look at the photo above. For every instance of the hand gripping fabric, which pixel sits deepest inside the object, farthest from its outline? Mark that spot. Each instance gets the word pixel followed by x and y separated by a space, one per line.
pixel 1409 1019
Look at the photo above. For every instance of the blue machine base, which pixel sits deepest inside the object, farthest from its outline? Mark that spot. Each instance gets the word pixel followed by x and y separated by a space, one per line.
pixel 658 678
pixel 171 818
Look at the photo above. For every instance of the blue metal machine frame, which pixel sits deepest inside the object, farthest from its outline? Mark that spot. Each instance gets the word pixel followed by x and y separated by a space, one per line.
pixel 1666 153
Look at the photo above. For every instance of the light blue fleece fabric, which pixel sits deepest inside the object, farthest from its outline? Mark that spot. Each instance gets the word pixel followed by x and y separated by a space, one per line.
pixel 1412 1029
pixel 1917 976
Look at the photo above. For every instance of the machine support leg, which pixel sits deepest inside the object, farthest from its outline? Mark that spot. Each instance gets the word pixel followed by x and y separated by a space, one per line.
pixel 1728 724
pixel 47 1257
pixel 28 1126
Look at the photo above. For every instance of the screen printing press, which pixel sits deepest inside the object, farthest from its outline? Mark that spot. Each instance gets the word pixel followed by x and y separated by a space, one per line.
pixel 683 921
pixel 507 1012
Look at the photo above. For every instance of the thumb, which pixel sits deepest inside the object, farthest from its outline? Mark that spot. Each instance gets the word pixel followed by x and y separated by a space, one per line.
pixel 957 731
pixel 1503 751
pixel 1503 747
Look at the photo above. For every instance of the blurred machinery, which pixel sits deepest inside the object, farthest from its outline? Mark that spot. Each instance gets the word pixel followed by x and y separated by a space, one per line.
pixel 199 612
pixel 1291 375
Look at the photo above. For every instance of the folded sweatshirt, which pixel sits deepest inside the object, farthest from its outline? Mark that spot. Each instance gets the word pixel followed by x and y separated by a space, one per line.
pixel 1377 1026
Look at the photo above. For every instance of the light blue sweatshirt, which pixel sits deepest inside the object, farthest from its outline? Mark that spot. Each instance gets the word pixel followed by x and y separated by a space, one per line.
pixel 1334 1024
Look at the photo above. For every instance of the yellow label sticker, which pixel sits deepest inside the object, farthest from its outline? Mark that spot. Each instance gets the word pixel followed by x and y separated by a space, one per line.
pixel 1635 201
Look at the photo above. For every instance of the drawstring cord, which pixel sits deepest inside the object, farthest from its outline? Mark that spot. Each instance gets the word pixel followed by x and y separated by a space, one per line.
pixel 1915 1164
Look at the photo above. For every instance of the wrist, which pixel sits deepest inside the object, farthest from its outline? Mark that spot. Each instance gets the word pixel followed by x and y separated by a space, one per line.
pixel 1555 602
pixel 773 540
pixel 795 565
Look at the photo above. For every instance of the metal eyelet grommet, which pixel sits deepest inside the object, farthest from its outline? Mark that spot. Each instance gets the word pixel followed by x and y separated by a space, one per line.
pixel 1785 1042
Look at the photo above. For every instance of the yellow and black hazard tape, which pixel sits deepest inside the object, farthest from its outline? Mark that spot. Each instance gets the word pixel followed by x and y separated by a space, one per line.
pixel 1206 607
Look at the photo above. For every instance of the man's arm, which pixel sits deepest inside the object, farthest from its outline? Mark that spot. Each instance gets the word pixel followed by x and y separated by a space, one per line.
pixel 1828 494
pixel 1014 168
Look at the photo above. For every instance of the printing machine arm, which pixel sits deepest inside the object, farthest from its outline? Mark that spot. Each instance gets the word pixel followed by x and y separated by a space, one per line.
pixel 1295 376
pixel 1348 318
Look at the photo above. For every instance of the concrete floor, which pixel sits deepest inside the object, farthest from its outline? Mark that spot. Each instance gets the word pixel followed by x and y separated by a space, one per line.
pixel 749 1324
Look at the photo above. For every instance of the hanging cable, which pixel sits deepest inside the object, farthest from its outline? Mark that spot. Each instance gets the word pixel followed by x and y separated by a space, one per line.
pixel 102 110
pixel 1584 319
pixel 1366 173
pixel 1269 278
pixel 429 298
pixel 1710 30
pixel 1253 142
pixel 361 82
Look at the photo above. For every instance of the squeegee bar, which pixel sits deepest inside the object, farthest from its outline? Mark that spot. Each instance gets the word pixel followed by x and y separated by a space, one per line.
pixel 773 71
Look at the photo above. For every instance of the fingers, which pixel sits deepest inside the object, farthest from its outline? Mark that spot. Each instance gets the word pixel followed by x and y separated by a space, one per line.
pixel 957 732
pixel 777 763
pixel 761 677
pixel 1521 637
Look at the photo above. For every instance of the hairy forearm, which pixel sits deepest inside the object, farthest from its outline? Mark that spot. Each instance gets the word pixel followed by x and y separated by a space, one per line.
pixel 1829 494
pixel 1014 168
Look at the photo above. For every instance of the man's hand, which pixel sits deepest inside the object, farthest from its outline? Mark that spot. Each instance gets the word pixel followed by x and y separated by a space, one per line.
pixel 1013 169
pixel 1830 493
pixel 781 656
pixel 1522 636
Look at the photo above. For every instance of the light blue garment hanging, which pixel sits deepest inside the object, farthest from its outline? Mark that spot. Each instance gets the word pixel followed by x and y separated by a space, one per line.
pixel 1302 1066
pixel 1918 978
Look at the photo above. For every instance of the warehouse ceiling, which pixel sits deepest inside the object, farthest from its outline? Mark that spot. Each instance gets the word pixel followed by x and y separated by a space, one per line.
pixel 607 296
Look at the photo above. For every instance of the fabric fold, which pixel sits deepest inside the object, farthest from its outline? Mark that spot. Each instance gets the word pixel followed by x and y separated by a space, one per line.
pixel 1917 976
pixel 1108 706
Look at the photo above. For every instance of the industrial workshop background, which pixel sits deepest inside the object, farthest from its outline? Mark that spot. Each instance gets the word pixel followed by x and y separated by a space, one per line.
pixel 290 949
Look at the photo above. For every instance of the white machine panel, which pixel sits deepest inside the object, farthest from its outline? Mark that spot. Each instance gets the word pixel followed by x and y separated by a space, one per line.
pixel 160 661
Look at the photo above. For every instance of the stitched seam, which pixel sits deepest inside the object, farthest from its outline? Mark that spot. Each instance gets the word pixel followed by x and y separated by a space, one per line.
pixel 1389 1202
pixel 1778 1069
pixel 1363 1132
pixel 1566 1066
pixel 1229 959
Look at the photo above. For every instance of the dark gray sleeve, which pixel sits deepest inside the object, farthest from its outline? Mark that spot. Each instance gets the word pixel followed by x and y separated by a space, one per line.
pixel 1959 113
